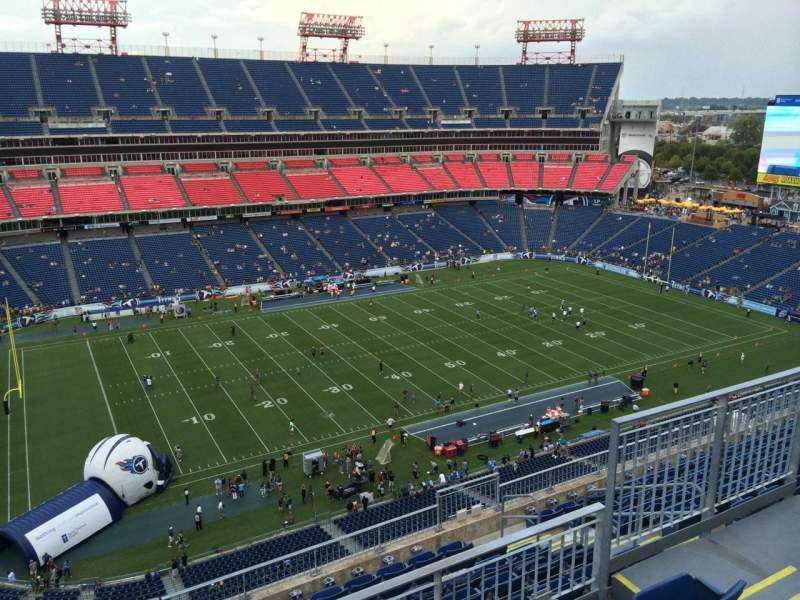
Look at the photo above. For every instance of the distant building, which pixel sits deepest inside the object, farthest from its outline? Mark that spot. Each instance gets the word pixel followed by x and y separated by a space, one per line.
pixel 786 210
pixel 716 133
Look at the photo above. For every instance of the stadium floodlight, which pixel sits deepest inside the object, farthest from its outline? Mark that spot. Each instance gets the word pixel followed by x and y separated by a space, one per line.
pixel 319 25
pixel 109 14
pixel 539 31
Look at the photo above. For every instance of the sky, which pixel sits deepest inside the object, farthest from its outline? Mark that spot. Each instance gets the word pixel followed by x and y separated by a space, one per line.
pixel 670 48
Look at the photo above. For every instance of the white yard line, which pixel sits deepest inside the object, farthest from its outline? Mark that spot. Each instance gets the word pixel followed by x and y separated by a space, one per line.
pixel 188 397
pixel 481 341
pixel 8 427
pixel 297 383
pixel 152 408
pixel 449 358
pixel 25 420
pixel 384 339
pixel 252 377
pixel 328 377
pixel 225 391
pixel 349 364
pixel 102 387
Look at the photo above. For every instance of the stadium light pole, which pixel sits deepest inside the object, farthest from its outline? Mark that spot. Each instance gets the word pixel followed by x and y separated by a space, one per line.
pixel 430 54
pixel 477 47
pixel 385 53
pixel 166 42
pixel 214 44
pixel 261 48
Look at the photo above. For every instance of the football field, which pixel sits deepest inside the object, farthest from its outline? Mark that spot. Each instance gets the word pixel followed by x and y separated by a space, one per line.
pixel 227 384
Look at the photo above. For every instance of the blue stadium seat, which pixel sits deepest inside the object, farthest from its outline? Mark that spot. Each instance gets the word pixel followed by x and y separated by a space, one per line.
pixel 537 227
pixel 178 85
pixel 229 85
pixel 290 245
pixel 235 254
pixel 194 126
pixel 276 86
pixel 342 125
pixel 441 87
pixel 297 125
pixel 344 242
pixel 396 241
pixel 467 221
pixel 41 266
pixel 524 87
pixel 321 88
pixel 439 234
pixel 482 88
pixel 20 128
pixel 143 126
pixel 385 124
pixel 67 83
pixel 248 126
pixel 174 262
pixel 106 269
pixel 362 88
pixel 125 85
pixel 399 83
pixel 18 92
pixel 504 218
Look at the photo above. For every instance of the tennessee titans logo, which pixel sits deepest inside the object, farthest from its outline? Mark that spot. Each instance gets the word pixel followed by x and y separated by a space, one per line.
pixel 136 465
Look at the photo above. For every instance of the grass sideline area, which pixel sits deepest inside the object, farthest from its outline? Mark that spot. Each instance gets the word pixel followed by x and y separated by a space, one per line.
pixel 83 386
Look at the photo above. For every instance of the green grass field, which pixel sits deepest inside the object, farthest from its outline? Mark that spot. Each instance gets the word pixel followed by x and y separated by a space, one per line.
pixel 80 388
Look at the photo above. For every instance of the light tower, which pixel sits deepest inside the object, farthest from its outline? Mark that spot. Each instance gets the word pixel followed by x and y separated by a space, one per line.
pixel 540 31
pixel 87 13
pixel 341 27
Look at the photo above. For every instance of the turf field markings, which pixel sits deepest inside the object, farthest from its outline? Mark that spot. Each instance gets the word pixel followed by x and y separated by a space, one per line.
pixel 8 427
pixel 102 387
pixel 188 397
pixel 223 388
pixel 328 377
pixel 498 348
pixel 622 332
pixel 25 421
pixel 263 389
pixel 152 408
pixel 560 333
pixel 427 347
pixel 348 363
pixel 289 375
pixel 664 314
pixel 410 381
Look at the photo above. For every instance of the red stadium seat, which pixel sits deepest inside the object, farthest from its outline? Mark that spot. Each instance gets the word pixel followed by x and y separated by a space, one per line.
pixel 263 186
pixel 437 177
pixel 402 178
pixel 314 186
pixel 144 169
pixel 464 174
pixel 25 173
pixel 299 163
pixel 149 192
pixel 495 174
pixel 82 171
pixel 34 201
pixel 250 165
pixel 615 176
pixel 344 161
pixel 588 175
pixel 90 198
pixel 556 177
pixel 525 174
pixel 211 191
pixel 201 167
pixel 359 181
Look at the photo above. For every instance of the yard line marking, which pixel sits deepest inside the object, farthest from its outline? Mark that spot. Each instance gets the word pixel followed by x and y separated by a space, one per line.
pixel 461 318
pixel 519 283
pixel 252 377
pixel 147 396
pixel 333 381
pixel 25 420
pixel 8 426
pixel 543 323
pixel 768 581
pixel 399 349
pixel 285 372
pixel 348 363
pixel 188 397
pixel 432 349
pixel 102 387
pixel 409 381
pixel 225 391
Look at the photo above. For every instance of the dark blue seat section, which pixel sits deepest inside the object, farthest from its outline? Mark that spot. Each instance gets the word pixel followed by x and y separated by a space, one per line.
pixel 235 254
pixel 784 290
pixel 605 78
pixel 194 126
pixel 396 241
pixel 61 594
pixel 10 290
pixel 291 247
pixel 248 125
pixel 489 123
pixel 359 583
pixel 470 224
pixel 178 85
pixel 149 586
pixel 297 125
pixel 142 126
pixel 659 247
pixel 385 124
pixel 174 262
pixel 67 84
pixel 106 269
pixel 398 81
pixel 609 225
pixel 344 242
pixel 277 88
pixel 55 131
pixel 524 87
pixel 41 266
pixel 633 234
pixel 330 593
pixel 125 85
pixel 342 124
pixel 362 88
pixel 10 593
pixel 568 87
pixel 688 587
pixel 441 86
pixel 571 223
pixel 504 218
pixel 417 123
pixel 561 123
pixel 262 552
pixel 321 88
pixel 712 249
pixel 526 122
pixel 18 92
pixel 537 227
pixel 441 236
pixel 229 85
pixel 482 88
pixel 20 128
